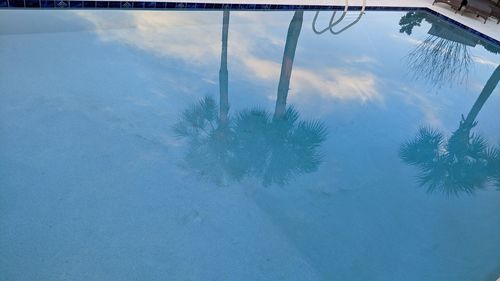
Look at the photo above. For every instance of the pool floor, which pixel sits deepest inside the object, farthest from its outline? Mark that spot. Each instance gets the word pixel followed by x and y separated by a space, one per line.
pixel 236 145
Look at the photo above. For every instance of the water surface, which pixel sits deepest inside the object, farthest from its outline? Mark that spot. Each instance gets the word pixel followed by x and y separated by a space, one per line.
pixel 238 145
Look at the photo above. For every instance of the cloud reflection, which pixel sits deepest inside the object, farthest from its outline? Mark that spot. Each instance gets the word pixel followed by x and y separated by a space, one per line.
pixel 194 40
pixel 177 35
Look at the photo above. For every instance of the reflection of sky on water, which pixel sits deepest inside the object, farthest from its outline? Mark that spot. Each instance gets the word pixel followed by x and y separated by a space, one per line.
pixel 88 100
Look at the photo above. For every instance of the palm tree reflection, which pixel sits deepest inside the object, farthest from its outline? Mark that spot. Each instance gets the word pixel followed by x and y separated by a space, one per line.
pixel 207 129
pixel 285 145
pixel 209 140
pixel 276 149
pixel 443 57
pixel 270 147
pixel 461 164
pixel 440 61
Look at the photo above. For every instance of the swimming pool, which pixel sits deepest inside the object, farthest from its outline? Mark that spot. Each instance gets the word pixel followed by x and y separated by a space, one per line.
pixel 211 145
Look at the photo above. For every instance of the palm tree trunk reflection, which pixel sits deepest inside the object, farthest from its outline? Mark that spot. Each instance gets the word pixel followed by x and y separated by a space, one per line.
pixel 223 73
pixel 483 97
pixel 286 66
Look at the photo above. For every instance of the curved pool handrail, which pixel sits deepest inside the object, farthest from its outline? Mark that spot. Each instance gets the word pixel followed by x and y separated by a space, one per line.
pixel 331 23
pixel 361 13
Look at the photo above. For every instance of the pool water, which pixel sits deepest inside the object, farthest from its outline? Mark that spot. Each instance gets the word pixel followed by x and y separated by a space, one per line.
pixel 239 145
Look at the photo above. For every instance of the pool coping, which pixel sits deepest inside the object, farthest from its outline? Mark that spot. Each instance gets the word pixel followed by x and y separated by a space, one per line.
pixel 150 5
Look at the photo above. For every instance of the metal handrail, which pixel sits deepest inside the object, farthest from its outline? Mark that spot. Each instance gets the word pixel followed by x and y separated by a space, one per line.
pixel 332 24
pixel 361 13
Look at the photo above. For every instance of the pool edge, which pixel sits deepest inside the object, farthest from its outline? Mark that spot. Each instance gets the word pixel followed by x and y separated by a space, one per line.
pixel 149 5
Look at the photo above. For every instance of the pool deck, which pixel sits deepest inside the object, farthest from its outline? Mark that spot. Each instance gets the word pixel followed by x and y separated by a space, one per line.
pixel 490 28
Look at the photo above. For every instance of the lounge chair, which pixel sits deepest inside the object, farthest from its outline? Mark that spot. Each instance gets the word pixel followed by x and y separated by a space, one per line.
pixel 455 4
pixel 483 9
pixel 495 12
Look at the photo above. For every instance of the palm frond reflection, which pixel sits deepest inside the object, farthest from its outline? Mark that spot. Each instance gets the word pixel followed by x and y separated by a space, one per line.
pixel 273 147
pixel 462 163
pixel 443 57
pixel 440 61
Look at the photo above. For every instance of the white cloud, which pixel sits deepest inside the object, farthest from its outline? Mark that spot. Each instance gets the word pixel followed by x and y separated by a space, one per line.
pixel 337 83
pixel 196 41
pixel 360 60
pixel 329 83
pixel 407 39
pixel 427 106
pixel 171 35
pixel 484 61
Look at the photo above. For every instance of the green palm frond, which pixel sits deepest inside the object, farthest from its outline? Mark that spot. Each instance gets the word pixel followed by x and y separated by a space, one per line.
pixel 291 115
pixel 493 157
pixel 250 148
pixel 196 120
pixel 253 143
pixel 209 140
pixel 208 109
pixel 451 177
pixel 461 165
pixel 275 149
pixel 478 146
pixel 255 119
pixel 424 149
pixel 313 132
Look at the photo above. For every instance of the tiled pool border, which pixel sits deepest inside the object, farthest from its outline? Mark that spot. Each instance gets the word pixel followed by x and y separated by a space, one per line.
pixel 148 5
